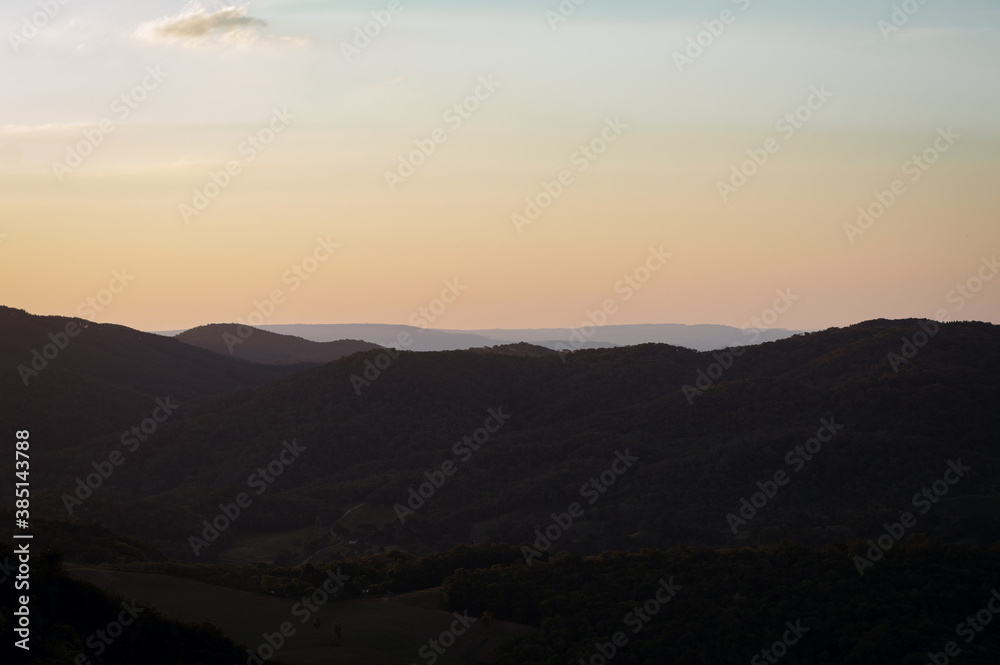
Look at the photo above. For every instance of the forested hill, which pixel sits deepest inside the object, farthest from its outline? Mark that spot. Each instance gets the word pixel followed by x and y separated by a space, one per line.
pixel 45 352
pixel 261 346
pixel 372 425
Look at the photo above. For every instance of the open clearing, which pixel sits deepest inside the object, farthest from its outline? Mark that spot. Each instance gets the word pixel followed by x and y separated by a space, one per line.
pixel 376 631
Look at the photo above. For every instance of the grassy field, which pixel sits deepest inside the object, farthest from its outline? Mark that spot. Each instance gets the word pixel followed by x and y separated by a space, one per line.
pixel 376 631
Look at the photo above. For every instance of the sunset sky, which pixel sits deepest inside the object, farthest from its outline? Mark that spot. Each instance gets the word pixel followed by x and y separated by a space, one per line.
pixel 116 116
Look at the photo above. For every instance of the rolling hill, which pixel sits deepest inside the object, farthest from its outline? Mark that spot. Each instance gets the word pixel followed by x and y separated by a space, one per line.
pixel 262 346
pixel 376 425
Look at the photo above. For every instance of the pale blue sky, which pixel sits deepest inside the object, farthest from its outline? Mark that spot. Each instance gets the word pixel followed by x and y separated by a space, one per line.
pixel 611 59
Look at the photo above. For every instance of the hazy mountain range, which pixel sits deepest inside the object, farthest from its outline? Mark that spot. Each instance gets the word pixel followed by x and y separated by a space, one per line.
pixel 698 337
pixel 262 346
pixel 618 467
pixel 706 425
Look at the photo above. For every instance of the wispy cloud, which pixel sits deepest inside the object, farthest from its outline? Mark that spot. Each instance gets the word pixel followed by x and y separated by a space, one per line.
pixel 48 128
pixel 198 25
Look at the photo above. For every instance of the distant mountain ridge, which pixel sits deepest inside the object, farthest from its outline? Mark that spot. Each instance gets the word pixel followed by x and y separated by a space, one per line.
pixel 703 337
pixel 706 426
pixel 268 348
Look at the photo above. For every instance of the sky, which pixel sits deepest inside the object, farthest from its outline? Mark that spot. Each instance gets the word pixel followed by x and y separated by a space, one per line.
pixel 502 165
